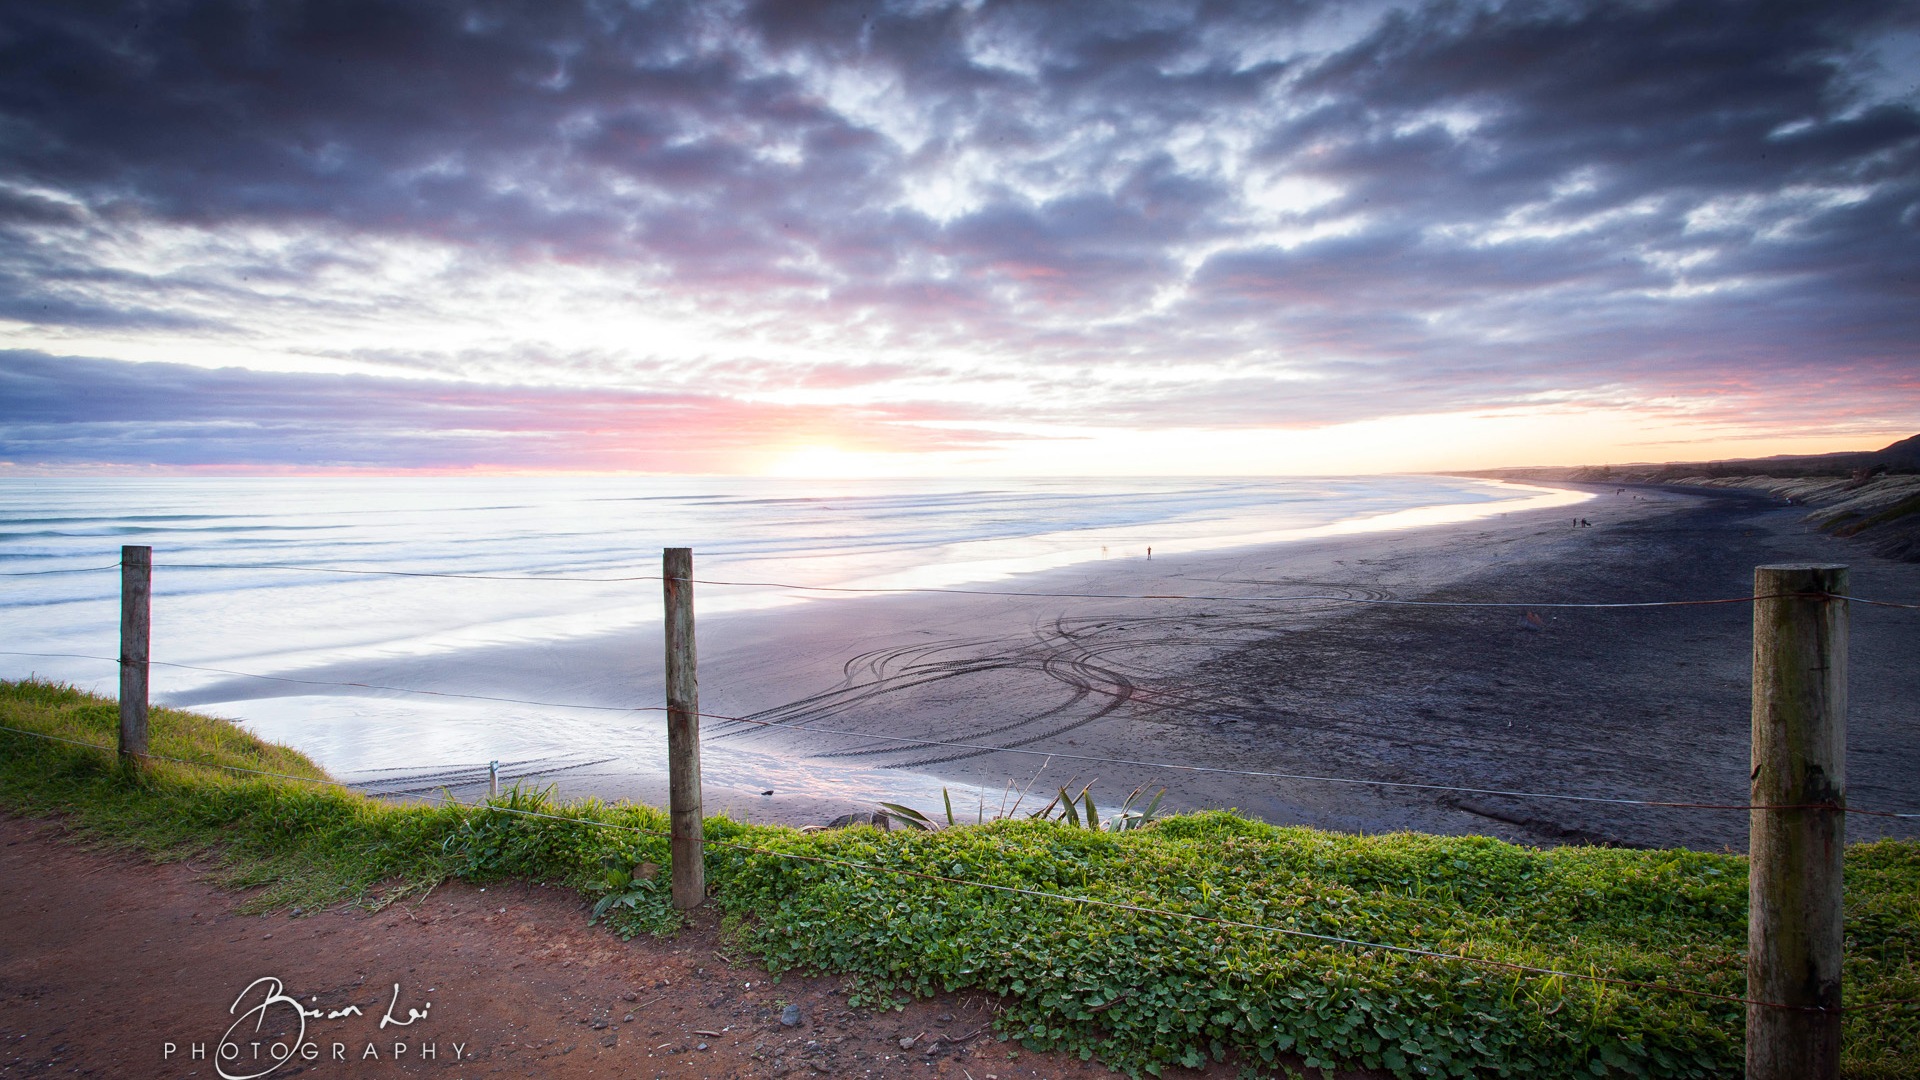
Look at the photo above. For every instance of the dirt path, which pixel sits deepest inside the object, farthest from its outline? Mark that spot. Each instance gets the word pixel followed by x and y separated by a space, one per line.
pixel 106 959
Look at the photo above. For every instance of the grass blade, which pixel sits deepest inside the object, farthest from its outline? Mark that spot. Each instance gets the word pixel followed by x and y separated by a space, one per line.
pixel 910 816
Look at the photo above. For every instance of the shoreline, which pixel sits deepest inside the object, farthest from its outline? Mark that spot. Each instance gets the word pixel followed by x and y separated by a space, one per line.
pixel 1641 705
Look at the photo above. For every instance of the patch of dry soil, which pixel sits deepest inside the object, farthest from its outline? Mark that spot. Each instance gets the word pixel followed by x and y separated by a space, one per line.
pixel 106 959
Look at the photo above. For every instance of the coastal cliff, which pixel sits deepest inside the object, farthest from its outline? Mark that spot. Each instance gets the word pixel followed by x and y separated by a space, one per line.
pixel 1871 496
pixel 1883 512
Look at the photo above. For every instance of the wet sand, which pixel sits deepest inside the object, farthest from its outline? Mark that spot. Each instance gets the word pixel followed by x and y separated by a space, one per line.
pixel 1637 703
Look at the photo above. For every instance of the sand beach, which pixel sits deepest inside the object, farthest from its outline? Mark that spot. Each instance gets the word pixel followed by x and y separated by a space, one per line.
pixel 1638 703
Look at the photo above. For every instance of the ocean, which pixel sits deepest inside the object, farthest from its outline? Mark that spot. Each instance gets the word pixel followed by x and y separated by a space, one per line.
pixel 269 593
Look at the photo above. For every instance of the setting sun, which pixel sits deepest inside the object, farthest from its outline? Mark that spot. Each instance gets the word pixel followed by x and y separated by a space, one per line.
pixel 829 463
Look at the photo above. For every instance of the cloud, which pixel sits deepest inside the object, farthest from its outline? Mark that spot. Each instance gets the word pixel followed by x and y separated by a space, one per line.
pixel 1264 213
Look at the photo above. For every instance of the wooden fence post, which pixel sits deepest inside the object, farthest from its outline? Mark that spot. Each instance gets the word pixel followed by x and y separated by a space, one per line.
pixel 136 596
pixel 683 732
pixel 1794 931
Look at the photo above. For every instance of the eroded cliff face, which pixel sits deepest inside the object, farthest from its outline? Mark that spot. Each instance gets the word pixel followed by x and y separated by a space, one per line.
pixel 1871 495
pixel 1882 512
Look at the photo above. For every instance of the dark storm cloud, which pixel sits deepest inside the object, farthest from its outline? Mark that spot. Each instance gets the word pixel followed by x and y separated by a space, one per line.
pixel 1502 200
pixel 483 126
pixel 1678 103
pixel 596 130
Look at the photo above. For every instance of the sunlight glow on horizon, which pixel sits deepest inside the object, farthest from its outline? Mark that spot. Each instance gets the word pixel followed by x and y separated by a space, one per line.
pixel 1452 442
pixel 1547 436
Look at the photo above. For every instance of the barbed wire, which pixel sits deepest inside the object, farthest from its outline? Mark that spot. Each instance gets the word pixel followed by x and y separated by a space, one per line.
pixel 989 748
pixel 878 590
pixel 403 573
pixel 1035 594
pixel 1314 597
pixel 1873 603
pixel 352 685
pixel 1267 775
pixel 347 785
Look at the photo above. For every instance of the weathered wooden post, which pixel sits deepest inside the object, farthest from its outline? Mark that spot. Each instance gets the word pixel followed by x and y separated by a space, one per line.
pixel 1794 932
pixel 493 779
pixel 683 733
pixel 136 599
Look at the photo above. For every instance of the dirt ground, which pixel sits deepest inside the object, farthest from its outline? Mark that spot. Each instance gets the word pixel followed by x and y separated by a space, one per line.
pixel 106 960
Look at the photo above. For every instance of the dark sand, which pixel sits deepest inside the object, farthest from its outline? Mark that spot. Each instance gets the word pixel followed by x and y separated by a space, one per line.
pixel 1638 703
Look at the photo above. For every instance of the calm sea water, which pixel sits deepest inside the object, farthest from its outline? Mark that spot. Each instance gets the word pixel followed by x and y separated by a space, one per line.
pixel 223 600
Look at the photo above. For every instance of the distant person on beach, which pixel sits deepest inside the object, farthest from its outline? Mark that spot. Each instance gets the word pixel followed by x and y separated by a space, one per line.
pixel 1149 554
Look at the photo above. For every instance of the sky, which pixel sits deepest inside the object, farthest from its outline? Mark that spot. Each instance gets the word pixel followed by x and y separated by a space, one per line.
pixel 954 238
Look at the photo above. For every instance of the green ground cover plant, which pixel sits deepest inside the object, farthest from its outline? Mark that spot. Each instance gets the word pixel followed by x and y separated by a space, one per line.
pixel 1142 991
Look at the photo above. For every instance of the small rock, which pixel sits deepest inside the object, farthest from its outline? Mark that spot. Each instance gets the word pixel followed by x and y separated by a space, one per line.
pixel 790 1016
pixel 906 1043
pixel 945 1018
pixel 611 1040
pixel 702 1046
pixel 599 1023
pixel 628 1019
pixel 629 996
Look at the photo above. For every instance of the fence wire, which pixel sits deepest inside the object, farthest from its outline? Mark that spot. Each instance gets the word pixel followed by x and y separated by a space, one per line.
pixel 1036 594
pixel 1049 754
